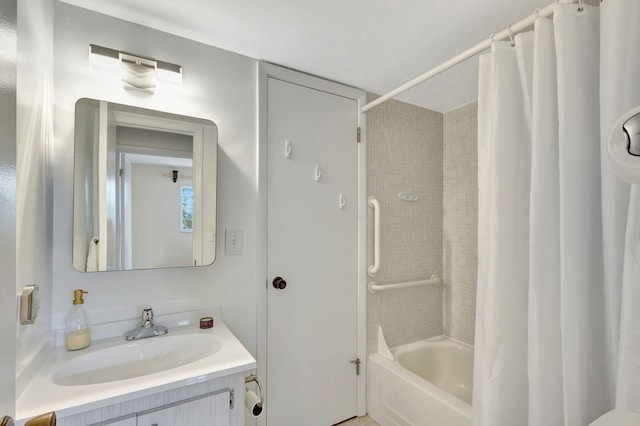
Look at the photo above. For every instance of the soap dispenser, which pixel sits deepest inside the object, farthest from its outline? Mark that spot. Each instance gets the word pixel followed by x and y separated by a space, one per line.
pixel 77 333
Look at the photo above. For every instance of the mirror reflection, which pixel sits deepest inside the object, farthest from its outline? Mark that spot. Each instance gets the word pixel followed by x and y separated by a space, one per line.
pixel 144 188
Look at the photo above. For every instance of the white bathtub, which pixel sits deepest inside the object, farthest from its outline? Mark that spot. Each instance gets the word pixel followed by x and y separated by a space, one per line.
pixel 428 384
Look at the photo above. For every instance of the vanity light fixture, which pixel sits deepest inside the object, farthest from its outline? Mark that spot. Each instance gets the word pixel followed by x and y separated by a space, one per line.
pixel 141 72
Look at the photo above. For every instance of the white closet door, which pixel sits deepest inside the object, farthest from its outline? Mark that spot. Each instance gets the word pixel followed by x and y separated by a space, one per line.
pixel 312 245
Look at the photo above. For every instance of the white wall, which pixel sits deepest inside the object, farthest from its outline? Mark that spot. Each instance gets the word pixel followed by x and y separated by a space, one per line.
pixel 217 85
pixel 34 195
pixel 156 238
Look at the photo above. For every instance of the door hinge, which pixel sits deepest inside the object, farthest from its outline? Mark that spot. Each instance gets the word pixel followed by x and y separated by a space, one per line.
pixel 357 363
pixel 121 173
pixel 359 134
pixel 231 399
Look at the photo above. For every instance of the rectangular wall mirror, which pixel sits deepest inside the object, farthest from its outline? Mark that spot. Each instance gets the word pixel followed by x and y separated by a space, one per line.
pixel 144 188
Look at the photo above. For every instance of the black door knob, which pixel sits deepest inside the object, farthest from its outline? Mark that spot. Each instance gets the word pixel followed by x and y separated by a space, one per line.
pixel 279 283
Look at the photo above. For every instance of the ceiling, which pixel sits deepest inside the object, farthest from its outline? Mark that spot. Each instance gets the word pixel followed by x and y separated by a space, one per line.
pixel 376 45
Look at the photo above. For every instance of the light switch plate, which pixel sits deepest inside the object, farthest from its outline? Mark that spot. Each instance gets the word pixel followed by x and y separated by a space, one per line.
pixel 29 304
pixel 233 241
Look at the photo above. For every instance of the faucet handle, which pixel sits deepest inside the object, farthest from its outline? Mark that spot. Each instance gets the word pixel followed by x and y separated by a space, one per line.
pixel 147 317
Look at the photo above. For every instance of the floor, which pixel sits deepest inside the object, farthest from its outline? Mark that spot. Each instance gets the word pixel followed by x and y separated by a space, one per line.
pixel 359 421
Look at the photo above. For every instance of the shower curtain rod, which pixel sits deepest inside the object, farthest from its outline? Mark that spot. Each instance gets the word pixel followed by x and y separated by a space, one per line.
pixel 473 51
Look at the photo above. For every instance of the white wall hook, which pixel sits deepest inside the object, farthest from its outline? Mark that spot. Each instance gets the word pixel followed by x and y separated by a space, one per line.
pixel 287 148
pixel 318 173
pixel 341 201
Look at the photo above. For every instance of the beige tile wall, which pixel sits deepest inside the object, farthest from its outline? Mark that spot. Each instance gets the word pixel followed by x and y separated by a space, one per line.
pixel 434 155
pixel 460 221
pixel 404 152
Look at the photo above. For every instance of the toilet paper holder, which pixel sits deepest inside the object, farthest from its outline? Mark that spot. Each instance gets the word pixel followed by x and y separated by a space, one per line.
pixel 252 402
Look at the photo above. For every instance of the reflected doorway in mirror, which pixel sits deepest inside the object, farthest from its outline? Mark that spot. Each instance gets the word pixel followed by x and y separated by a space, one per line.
pixel 126 160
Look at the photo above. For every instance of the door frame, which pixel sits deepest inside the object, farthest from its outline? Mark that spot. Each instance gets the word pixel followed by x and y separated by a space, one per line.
pixel 8 203
pixel 265 71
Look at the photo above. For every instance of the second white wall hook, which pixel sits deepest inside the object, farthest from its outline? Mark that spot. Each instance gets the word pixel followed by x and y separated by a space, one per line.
pixel 341 201
pixel 318 173
pixel 287 148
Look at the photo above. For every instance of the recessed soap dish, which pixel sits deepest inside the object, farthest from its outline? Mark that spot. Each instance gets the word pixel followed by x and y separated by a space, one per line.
pixel 408 196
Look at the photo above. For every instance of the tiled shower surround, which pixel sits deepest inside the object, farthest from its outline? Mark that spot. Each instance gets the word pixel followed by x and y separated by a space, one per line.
pixel 408 148
pixel 460 221
pixel 404 153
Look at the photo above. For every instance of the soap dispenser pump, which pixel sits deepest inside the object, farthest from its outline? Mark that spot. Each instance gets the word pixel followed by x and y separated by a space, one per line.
pixel 77 333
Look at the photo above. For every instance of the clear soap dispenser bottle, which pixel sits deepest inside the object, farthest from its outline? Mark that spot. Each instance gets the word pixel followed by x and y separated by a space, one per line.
pixel 77 333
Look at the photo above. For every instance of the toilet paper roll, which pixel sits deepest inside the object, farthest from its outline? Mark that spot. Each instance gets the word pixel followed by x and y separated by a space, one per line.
pixel 252 403
pixel 625 165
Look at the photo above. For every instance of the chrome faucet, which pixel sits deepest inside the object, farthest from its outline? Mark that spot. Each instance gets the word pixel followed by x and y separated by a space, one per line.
pixel 147 327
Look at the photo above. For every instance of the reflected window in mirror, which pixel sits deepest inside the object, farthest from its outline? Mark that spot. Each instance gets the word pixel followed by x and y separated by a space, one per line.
pixel 186 208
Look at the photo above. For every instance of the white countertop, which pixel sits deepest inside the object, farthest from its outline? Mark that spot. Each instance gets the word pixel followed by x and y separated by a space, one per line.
pixel 42 395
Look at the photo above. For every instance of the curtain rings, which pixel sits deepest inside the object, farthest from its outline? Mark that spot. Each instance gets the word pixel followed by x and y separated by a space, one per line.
pixel 536 13
pixel 510 32
pixel 492 38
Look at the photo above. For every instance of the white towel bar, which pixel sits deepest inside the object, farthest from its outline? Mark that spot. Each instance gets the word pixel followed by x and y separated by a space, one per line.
pixel 374 287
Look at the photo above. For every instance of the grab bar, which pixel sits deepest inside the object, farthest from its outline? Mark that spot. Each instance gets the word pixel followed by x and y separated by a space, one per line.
pixel 374 287
pixel 372 270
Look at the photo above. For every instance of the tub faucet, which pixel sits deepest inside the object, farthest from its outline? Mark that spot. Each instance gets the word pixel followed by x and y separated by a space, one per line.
pixel 147 327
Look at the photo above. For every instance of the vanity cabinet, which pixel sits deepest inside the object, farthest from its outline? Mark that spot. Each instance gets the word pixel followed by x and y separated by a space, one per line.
pixel 217 402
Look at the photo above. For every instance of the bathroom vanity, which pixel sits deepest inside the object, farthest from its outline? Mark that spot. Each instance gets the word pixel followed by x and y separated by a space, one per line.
pixel 190 376
pixel 212 402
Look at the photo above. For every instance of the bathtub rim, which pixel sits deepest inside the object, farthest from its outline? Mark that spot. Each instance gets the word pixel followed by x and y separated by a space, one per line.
pixel 442 338
pixel 415 380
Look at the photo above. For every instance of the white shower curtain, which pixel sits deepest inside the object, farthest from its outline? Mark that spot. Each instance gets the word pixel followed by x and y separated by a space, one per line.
pixel 558 303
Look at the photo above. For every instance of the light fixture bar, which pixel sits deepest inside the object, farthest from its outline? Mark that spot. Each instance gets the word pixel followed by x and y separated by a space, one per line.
pixel 94 49
pixel 168 66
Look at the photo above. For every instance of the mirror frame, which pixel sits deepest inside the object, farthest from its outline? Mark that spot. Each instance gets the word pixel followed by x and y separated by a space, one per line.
pixel 107 118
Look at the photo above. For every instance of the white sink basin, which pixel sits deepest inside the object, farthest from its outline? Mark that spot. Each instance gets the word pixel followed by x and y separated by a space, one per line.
pixel 135 359
pixel 112 370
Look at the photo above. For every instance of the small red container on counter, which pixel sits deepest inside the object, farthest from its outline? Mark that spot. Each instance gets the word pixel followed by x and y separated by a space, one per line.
pixel 206 322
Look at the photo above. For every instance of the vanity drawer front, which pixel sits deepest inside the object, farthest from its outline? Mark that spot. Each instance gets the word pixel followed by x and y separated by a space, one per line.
pixel 127 422
pixel 209 411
